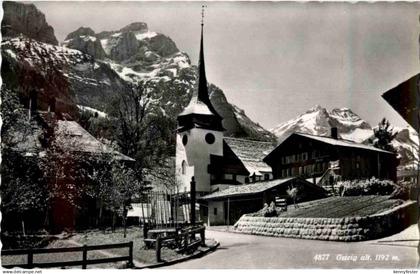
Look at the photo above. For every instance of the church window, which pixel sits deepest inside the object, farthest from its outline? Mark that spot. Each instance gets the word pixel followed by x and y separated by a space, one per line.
pixel 210 138
pixel 184 167
pixel 184 140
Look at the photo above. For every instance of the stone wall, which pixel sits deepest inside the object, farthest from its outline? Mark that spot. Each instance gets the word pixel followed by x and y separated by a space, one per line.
pixel 333 229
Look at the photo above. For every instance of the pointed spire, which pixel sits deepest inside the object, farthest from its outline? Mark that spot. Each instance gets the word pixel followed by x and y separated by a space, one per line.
pixel 203 93
pixel 200 111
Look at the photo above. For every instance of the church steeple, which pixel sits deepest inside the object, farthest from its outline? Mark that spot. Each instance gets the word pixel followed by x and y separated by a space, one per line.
pixel 203 93
pixel 200 111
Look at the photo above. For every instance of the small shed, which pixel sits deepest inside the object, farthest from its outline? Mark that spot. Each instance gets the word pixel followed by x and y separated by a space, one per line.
pixel 226 206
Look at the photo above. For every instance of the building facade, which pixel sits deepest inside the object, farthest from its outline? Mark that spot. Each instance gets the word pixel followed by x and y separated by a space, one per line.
pixel 310 156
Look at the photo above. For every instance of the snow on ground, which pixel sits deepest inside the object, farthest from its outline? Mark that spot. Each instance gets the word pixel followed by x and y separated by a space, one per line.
pixel 11 53
pixel 104 43
pixel 358 135
pixel 36 53
pixel 88 38
pixel 145 35
pixel 93 110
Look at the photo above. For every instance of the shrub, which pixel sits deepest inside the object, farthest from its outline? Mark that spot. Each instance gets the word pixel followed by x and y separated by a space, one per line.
pixel 371 186
pixel 270 211
pixel 401 192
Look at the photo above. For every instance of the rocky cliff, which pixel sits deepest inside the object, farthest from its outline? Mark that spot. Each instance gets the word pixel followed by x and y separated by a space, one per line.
pixel 26 19
pixel 89 68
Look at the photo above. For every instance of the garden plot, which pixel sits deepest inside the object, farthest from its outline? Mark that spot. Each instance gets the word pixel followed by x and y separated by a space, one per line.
pixel 337 207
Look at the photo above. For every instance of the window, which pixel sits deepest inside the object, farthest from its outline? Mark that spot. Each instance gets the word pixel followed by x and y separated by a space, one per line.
pixel 305 156
pixel 210 138
pixel 184 140
pixel 184 167
pixel 215 211
pixel 246 180
pixel 228 176
pixel 266 177
pixel 234 177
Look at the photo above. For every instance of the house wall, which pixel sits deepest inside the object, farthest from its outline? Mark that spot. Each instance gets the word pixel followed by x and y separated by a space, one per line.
pixel 243 204
pixel 218 217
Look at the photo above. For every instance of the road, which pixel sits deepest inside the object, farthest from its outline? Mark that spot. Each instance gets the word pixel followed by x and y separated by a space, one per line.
pixel 249 251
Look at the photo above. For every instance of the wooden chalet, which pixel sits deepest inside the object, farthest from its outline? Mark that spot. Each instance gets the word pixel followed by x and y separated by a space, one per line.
pixel 71 138
pixel 310 156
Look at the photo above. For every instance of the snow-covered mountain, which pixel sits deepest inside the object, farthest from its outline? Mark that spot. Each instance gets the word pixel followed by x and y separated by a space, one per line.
pixel 319 121
pixel 88 68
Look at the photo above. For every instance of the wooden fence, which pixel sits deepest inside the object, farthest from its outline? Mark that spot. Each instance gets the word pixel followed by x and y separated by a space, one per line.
pixel 84 262
pixel 163 209
pixel 185 241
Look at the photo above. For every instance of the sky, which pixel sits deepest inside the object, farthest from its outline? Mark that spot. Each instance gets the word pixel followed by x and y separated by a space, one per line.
pixel 276 60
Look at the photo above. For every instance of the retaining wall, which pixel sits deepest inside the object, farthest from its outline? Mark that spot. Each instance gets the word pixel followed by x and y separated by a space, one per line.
pixel 334 229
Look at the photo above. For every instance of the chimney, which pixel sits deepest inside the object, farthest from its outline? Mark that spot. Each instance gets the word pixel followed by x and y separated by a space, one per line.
pixel 334 133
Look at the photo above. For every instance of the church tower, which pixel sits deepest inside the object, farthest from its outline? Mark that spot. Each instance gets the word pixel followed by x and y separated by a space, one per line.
pixel 199 135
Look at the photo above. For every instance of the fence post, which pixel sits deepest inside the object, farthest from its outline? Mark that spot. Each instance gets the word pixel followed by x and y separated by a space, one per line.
pixel 84 257
pixel 130 254
pixel 30 258
pixel 158 247
pixel 203 236
pixel 185 241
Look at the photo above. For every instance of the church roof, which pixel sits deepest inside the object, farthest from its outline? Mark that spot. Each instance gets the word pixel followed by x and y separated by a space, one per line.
pixel 251 153
pixel 248 189
pixel 200 101
pixel 196 107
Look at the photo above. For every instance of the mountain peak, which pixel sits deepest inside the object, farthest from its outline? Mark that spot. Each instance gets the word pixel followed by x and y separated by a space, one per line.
pixel 319 121
pixel 26 19
pixel 315 109
pixel 136 26
pixel 79 32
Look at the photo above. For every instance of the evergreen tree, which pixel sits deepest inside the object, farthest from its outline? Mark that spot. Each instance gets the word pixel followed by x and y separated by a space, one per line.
pixel 384 135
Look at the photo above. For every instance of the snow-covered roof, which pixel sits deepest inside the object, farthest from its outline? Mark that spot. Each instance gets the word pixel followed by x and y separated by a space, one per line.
pixel 341 142
pixel 248 189
pixel 251 153
pixel 73 137
pixel 196 107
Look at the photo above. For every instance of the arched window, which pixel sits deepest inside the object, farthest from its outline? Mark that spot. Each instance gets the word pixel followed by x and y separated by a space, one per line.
pixel 184 167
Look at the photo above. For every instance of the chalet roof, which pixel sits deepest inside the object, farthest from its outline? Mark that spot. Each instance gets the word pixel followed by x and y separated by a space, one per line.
pixel 251 153
pixel 73 137
pixel 405 99
pixel 247 189
pixel 341 142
